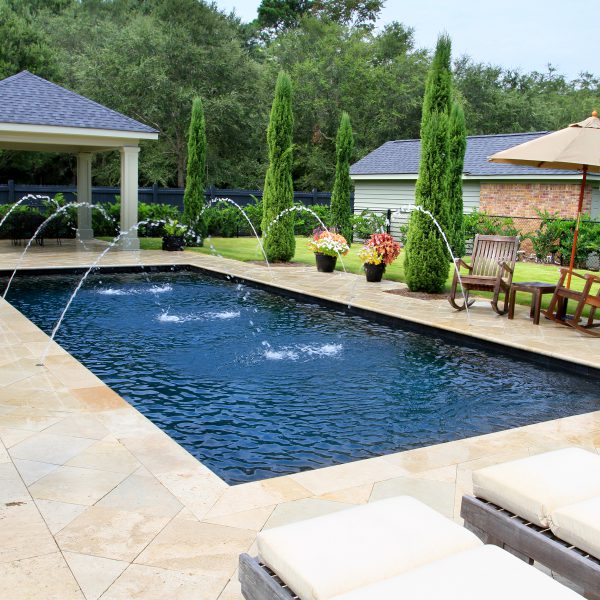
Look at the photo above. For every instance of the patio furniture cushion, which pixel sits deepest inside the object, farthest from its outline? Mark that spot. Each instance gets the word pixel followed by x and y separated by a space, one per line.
pixel 322 557
pixel 535 486
pixel 579 524
pixel 485 572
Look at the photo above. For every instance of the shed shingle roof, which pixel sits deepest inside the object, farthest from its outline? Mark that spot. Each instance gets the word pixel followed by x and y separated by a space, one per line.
pixel 402 157
pixel 29 99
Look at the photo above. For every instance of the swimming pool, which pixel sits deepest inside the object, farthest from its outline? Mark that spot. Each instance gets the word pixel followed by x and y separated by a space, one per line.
pixel 256 385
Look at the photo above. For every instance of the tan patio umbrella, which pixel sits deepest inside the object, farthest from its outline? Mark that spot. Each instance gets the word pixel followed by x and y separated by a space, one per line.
pixel 574 147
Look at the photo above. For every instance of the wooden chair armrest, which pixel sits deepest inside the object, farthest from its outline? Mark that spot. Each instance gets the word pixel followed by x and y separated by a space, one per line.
pixel 565 270
pixel 506 267
pixel 459 262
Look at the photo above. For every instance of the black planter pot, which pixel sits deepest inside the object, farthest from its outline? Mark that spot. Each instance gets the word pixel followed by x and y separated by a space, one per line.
pixel 325 263
pixel 373 272
pixel 172 242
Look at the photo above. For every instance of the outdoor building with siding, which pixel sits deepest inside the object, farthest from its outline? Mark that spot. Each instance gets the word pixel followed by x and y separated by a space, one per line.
pixel 385 180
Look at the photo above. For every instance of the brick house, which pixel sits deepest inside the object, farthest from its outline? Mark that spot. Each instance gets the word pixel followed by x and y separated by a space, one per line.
pixel 385 179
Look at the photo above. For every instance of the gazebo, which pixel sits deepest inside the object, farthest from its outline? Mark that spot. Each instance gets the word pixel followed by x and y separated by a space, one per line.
pixel 38 115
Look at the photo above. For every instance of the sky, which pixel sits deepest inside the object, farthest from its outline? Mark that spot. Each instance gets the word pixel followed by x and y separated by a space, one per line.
pixel 524 35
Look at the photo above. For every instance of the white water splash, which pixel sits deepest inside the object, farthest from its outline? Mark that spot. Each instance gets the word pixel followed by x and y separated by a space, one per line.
pixel 165 317
pixel 161 289
pixel 301 351
pixel 154 289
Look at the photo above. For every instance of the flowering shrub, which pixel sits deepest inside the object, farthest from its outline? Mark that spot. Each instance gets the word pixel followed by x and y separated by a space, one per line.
pixel 329 243
pixel 369 255
pixel 381 245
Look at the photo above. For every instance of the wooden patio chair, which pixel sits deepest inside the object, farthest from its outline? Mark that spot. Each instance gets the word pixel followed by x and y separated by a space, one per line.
pixel 562 294
pixel 538 508
pixel 491 270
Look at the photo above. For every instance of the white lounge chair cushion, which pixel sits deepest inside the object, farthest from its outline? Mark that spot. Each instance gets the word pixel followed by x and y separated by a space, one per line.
pixel 485 572
pixel 579 524
pixel 535 486
pixel 329 555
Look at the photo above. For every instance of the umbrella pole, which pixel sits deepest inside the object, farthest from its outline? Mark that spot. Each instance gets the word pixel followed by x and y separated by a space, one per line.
pixel 576 234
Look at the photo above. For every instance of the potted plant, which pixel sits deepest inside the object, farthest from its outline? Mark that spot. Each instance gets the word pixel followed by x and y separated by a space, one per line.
pixel 327 246
pixel 174 235
pixel 377 252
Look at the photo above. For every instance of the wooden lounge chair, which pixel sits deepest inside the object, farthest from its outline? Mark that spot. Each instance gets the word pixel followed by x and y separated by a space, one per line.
pixel 562 294
pixel 491 270
pixel 390 549
pixel 543 508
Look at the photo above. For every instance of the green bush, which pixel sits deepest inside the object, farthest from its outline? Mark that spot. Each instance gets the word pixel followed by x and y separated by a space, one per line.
pixel 555 238
pixel 305 223
pixel 368 222
pixel 341 209
pixel 480 222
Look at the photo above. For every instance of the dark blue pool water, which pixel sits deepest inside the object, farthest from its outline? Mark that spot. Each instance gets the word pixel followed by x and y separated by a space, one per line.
pixel 256 385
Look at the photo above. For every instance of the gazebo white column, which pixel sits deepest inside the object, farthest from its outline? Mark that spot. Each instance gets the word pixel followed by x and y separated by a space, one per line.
pixel 129 197
pixel 84 194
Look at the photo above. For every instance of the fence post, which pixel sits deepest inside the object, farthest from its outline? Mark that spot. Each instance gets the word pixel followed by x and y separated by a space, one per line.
pixel 11 191
pixel 155 193
pixel 315 196
pixel 389 220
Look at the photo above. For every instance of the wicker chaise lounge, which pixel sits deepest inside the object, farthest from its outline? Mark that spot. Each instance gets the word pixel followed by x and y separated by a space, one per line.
pixel 544 508
pixel 386 550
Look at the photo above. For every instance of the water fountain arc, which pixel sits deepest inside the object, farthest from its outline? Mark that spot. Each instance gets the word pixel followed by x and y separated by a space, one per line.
pixel 60 210
pixel 412 207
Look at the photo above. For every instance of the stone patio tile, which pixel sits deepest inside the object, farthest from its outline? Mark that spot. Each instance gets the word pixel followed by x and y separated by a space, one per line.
pixel 153 583
pixel 110 533
pixel 108 455
pixel 50 448
pixel 75 485
pixel 257 494
pixel 193 487
pixel 232 591
pixel 28 422
pixel 43 577
pixel 439 495
pixel 142 495
pixel 339 477
pixel 254 519
pixel 58 514
pixel 354 495
pixel 160 454
pixel 99 398
pixel 300 510
pixel 197 548
pixel 23 533
pixel 94 574
pixel 4 456
pixel 31 470
pixel 14 371
pixel 85 426
pixel 126 423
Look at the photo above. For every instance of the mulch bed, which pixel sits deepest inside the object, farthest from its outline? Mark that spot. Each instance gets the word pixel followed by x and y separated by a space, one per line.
pixel 278 264
pixel 418 295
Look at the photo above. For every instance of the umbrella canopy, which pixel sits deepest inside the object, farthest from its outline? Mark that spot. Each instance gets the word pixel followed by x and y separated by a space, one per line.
pixel 570 148
pixel 574 147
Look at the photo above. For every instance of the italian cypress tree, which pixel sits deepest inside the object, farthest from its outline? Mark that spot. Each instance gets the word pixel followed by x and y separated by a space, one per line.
pixel 193 197
pixel 341 209
pixel 279 242
pixel 457 136
pixel 426 257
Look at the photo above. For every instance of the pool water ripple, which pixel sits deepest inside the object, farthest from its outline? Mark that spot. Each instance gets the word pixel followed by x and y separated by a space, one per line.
pixel 256 385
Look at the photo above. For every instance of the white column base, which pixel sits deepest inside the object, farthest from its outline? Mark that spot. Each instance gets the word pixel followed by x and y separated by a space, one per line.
pixel 129 243
pixel 84 234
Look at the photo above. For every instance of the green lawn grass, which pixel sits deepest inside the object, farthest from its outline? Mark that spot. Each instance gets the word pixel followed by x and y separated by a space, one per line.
pixel 247 249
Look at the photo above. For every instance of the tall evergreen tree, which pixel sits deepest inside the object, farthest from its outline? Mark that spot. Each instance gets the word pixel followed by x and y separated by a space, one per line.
pixel 193 198
pixel 457 140
pixel 279 242
pixel 341 209
pixel 426 258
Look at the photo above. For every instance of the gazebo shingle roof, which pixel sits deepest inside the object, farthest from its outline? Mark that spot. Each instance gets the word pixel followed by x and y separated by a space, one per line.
pixel 401 157
pixel 29 99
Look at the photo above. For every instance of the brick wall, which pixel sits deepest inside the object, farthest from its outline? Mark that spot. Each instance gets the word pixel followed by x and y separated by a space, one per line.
pixel 522 199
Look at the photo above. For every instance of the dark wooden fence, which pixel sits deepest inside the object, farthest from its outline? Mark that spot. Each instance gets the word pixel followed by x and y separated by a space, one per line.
pixel 11 192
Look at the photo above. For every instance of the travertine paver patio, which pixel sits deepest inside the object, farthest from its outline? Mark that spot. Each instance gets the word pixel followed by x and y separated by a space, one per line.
pixel 95 501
